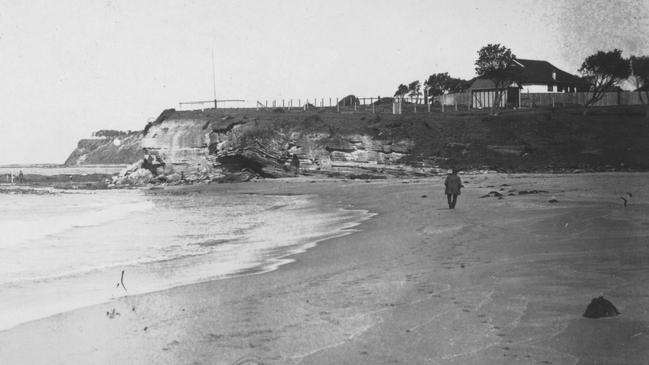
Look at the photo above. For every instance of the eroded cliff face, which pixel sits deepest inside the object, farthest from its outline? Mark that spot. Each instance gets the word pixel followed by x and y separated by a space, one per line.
pixel 217 144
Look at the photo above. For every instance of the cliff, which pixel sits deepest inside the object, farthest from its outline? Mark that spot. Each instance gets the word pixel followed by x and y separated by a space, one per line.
pixel 120 148
pixel 216 144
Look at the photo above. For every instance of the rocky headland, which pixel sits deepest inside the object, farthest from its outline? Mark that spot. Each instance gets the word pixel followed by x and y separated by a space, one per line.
pixel 238 145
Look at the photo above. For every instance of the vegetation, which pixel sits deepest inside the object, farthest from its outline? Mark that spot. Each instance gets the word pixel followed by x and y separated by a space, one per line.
pixel 349 100
pixel 441 83
pixel 401 92
pixel 414 89
pixel 640 77
pixel 603 71
pixel 495 63
pixel 111 133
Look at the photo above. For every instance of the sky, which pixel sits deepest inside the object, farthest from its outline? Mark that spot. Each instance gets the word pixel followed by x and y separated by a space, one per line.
pixel 71 67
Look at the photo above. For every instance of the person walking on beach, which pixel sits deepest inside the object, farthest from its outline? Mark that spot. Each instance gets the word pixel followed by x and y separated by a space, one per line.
pixel 21 177
pixel 453 185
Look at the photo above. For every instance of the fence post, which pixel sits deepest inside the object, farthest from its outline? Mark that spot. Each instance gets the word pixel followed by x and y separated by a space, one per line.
pixel 354 106
pixel 442 99
pixel 428 105
pixel 373 108
pixel 330 102
pixel 337 105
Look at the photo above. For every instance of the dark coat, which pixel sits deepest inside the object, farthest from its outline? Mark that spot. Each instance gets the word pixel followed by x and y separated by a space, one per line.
pixel 453 185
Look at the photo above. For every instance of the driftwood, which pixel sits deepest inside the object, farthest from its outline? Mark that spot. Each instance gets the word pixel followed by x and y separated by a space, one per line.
pixel 248 360
pixel 121 281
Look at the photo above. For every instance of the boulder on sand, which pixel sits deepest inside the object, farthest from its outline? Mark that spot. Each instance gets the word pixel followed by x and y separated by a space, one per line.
pixel 600 307
pixel 134 174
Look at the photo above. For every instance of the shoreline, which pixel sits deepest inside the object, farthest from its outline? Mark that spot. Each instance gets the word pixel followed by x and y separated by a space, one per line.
pixel 494 279
pixel 255 255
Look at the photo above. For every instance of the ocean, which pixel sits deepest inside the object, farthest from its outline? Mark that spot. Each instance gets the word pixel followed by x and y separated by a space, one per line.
pixel 62 250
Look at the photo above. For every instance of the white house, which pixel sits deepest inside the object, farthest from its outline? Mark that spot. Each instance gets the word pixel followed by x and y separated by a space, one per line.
pixel 531 76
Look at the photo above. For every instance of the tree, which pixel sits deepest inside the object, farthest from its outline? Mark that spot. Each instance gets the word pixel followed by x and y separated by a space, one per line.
pixel 496 63
pixel 441 83
pixel 603 71
pixel 640 76
pixel 436 84
pixel 402 90
pixel 349 100
pixel 415 89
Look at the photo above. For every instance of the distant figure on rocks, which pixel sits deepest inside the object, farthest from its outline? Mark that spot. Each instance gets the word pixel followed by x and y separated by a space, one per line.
pixel 295 162
pixel 453 185
pixel 21 177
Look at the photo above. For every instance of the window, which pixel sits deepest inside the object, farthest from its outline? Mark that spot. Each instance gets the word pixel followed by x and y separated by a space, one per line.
pixel 550 87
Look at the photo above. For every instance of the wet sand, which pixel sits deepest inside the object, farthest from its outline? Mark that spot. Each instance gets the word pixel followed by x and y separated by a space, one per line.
pixel 495 281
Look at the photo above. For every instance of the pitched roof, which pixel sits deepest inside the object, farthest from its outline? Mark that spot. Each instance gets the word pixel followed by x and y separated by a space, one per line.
pixel 540 72
pixel 483 84
pixel 534 72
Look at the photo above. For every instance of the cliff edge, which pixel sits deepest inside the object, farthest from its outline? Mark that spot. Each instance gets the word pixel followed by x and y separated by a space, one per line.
pixel 217 143
pixel 107 148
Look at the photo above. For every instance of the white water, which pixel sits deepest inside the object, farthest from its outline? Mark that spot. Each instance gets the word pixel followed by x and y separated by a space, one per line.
pixel 67 250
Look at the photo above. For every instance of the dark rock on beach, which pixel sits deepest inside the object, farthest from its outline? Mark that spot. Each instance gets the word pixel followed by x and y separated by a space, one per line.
pixel 600 307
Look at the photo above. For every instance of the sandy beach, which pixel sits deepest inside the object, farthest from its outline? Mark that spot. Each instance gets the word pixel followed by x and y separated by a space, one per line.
pixel 495 281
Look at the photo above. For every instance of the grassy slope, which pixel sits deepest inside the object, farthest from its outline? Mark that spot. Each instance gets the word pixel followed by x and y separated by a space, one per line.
pixel 525 140
pixel 103 151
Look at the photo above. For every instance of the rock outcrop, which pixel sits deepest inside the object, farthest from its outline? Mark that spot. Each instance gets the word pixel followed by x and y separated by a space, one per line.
pixel 217 144
pixel 239 145
pixel 106 150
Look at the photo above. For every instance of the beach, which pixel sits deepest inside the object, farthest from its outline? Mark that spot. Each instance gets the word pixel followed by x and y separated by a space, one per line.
pixel 494 281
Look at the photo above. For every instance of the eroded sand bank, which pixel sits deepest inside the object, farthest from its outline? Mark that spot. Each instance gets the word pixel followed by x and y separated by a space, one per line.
pixel 494 281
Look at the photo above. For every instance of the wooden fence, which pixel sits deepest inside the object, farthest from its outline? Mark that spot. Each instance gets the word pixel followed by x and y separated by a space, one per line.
pixel 531 100
pixel 374 104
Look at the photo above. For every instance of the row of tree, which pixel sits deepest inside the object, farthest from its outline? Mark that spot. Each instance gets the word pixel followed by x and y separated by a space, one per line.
pixel 602 71
pixel 436 84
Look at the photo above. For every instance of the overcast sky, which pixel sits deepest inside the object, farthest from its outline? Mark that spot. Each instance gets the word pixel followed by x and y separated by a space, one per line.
pixel 68 68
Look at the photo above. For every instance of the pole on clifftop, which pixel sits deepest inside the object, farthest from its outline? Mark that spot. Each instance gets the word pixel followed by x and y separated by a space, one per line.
pixel 213 80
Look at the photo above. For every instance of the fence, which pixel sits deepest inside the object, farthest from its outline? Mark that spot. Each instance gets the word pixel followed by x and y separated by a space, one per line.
pixel 454 100
pixel 375 104
pixel 531 100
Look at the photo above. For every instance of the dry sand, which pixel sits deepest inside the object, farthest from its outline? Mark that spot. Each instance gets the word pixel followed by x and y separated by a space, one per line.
pixel 495 281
